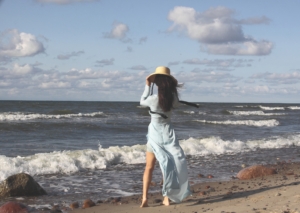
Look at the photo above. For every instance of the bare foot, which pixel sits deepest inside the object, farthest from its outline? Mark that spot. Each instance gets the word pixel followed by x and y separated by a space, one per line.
pixel 166 201
pixel 144 203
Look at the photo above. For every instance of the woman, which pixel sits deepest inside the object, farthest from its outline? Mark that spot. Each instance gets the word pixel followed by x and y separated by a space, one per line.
pixel 162 142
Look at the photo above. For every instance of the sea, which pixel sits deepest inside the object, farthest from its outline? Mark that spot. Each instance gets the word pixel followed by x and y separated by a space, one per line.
pixel 79 150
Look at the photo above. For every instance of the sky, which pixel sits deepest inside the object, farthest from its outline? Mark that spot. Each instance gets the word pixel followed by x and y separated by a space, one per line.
pixel 102 50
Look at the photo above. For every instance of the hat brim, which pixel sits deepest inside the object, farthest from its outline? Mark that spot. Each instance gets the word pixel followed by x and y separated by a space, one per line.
pixel 151 77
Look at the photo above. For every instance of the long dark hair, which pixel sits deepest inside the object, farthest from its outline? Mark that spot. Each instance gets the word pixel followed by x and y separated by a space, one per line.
pixel 167 90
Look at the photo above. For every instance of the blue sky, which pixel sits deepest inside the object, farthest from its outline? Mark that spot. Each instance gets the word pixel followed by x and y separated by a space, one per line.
pixel 102 50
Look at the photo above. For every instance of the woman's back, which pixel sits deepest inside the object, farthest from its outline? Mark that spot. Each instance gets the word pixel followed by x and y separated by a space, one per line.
pixel 152 101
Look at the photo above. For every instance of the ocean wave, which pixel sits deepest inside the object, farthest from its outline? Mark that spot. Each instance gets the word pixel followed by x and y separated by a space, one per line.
pixel 67 162
pixel 254 113
pixel 271 108
pixel 259 123
pixel 294 107
pixel 19 116
pixel 216 145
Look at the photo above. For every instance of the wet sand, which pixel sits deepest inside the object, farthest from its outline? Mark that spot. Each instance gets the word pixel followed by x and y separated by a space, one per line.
pixel 278 193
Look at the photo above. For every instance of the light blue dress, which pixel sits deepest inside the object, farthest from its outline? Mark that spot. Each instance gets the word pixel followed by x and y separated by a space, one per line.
pixel 162 139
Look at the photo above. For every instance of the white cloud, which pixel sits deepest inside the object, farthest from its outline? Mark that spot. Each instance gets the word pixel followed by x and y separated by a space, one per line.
pixel 105 62
pixel 245 48
pixel 117 79
pixel 255 20
pixel 13 91
pixel 16 44
pixel 69 55
pixel 63 1
pixel 18 71
pixel 138 67
pixel 214 92
pixel 128 78
pixel 129 49
pixel 261 89
pixel 173 63
pixel 82 74
pixel 106 83
pixel 5 60
pixel 4 84
pixel 212 26
pixel 85 84
pixel 268 90
pixel 143 40
pixel 218 31
pixel 249 81
pixel 76 84
pixel 209 77
pixel 22 70
pixel 220 63
pixel 119 31
pixel 279 78
pixel 55 85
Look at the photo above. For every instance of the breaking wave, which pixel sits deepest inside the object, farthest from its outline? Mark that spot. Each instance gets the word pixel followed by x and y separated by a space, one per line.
pixel 254 113
pixel 66 162
pixel 294 107
pixel 19 116
pixel 271 108
pixel 268 123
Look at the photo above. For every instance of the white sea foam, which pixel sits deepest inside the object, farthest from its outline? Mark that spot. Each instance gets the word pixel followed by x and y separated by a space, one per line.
pixel 254 113
pixel 216 145
pixel 258 123
pixel 189 112
pixel 271 108
pixel 294 107
pixel 36 206
pixel 142 107
pixel 19 116
pixel 73 161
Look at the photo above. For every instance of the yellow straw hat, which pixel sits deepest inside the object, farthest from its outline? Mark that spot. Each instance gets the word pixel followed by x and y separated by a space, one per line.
pixel 161 71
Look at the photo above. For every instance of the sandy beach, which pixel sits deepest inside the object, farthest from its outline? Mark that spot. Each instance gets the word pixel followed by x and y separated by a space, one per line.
pixel 275 193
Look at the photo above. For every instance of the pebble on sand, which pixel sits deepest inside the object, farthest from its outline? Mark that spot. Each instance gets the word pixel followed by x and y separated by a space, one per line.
pixel 14 207
pixel 88 203
pixel 74 205
pixel 200 175
pixel 255 171
pixel 202 193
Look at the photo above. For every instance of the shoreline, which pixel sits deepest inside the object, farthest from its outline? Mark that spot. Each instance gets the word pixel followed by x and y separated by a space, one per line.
pixel 274 193
pixel 278 193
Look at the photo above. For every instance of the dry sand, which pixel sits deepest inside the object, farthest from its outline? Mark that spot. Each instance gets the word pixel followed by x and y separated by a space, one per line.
pixel 278 193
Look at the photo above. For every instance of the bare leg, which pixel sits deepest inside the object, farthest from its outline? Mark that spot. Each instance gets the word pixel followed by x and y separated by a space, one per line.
pixel 150 163
pixel 166 201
